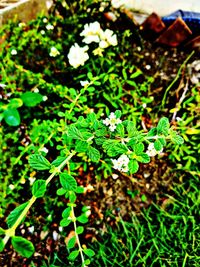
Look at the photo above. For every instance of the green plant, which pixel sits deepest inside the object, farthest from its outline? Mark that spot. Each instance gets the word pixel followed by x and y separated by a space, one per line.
pixel 111 137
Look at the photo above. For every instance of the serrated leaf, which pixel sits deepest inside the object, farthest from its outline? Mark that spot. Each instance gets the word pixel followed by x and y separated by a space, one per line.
pixel 23 246
pixel 133 166
pixel 131 129
pixel 93 154
pixel 143 158
pixel 117 149
pixel 66 212
pixel 139 148
pixel 2 245
pixel 177 139
pixel 68 182
pixel 82 218
pixel 65 222
pixel 31 99
pixel 14 215
pixel 71 243
pixel 39 188
pixel 157 145
pixel 79 230
pixel 58 161
pixel 74 133
pixel 12 117
pixel 81 146
pixel 89 252
pixel 73 255
pixel 120 130
pixel 101 132
pixel 163 126
pixel 39 162
pixel 60 191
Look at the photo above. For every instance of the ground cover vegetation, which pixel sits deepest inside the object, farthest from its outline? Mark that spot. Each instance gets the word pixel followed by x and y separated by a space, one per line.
pixel 99 143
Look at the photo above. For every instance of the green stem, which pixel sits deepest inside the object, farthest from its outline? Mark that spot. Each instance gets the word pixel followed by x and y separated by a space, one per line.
pixel 11 231
pixel 77 237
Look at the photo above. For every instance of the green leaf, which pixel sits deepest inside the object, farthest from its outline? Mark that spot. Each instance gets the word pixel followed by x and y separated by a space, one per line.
pixel 60 191
pixel 87 262
pixel 39 188
pixel 74 133
pixel 152 132
pixel 143 158
pixel 73 255
pixel 23 246
pixel 39 162
pixel 71 243
pixel 79 230
pixel 118 114
pixel 65 222
pixel 93 154
pixel 120 130
pixel 15 103
pixel 14 215
pixel 72 197
pixel 162 141
pixel 133 166
pixel 31 99
pixel 11 117
pixel 131 129
pixel 2 245
pixel 89 252
pixel 157 145
pixel 66 212
pixel 82 218
pixel 163 126
pixel 177 139
pixel 58 161
pixel 117 149
pixel 139 148
pixel 80 189
pixel 81 146
pixel 68 182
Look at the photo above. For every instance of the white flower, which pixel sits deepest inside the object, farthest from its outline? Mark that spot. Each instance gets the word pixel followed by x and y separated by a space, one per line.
pixel 112 121
pixel 117 3
pixel 109 37
pixel 49 27
pixel 121 164
pixel 45 20
pixel 84 83
pixel 115 176
pixel 98 51
pixel 54 52
pixel 44 98
pixel 42 32
pixel 2 85
pixel 36 90
pixel 78 55
pixel 31 180
pixel 13 52
pixel 22 24
pixel 151 151
pixel 91 32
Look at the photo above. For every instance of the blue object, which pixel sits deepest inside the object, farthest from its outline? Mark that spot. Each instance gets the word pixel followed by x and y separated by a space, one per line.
pixel 192 19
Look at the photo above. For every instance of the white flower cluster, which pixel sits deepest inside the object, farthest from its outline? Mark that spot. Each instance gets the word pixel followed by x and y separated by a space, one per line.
pixel 78 55
pixel 92 33
pixel 151 151
pixel 121 164
pixel 112 121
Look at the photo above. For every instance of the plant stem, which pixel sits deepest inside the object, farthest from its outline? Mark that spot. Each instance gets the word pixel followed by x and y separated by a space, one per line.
pixel 11 231
pixel 77 237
